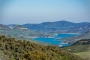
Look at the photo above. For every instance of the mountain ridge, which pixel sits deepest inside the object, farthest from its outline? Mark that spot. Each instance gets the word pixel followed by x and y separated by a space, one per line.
pixel 60 27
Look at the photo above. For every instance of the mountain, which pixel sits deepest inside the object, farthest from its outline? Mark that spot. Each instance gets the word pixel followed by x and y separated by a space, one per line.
pixel 4 27
pixel 20 32
pixel 25 50
pixel 60 27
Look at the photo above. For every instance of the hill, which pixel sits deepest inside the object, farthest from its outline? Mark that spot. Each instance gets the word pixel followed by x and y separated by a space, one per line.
pixel 20 32
pixel 80 48
pixel 82 42
pixel 53 27
pixel 25 50
pixel 4 27
pixel 74 39
pixel 60 27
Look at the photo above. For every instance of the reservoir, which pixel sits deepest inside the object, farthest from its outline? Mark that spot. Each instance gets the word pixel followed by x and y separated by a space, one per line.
pixel 54 41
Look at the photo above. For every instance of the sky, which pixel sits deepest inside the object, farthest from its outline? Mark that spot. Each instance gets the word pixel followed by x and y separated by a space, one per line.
pixel 38 11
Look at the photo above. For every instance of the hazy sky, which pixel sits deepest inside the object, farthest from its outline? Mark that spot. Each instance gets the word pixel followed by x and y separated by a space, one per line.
pixel 37 11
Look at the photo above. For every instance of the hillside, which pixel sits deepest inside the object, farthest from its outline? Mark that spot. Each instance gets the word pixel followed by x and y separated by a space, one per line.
pixel 80 48
pixel 74 39
pixel 25 50
pixel 60 27
pixel 20 32
pixel 82 42
pixel 4 27
pixel 46 29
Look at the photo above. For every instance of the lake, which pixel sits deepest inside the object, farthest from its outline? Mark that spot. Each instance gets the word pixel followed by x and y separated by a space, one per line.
pixel 54 41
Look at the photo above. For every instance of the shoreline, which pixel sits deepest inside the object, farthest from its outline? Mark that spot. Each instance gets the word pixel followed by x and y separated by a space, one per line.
pixel 54 36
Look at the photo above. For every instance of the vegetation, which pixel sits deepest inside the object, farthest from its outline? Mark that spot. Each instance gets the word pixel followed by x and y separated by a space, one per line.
pixel 80 48
pixel 77 48
pixel 74 39
pixel 85 54
pixel 60 27
pixel 20 32
pixel 25 50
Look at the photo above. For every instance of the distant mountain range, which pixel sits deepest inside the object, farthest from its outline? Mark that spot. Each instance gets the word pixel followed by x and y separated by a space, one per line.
pixel 20 32
pixel 57 27
pixel 60 27
pixel 47 29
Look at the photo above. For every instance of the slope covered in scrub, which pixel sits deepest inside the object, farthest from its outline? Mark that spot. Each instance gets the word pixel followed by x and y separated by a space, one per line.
pixel 25 50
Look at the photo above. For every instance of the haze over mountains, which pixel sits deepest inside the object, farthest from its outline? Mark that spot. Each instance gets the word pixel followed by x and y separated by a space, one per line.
pixel 51 27
pixel 19 31
pixel 47 29
pixel 60 27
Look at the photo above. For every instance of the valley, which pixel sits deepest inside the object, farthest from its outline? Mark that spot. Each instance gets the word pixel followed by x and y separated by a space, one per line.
pixel 73 41
pixel 44 30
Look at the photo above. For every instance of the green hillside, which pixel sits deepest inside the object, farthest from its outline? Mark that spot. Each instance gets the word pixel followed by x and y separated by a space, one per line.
pixel 25 50
pixel 80 48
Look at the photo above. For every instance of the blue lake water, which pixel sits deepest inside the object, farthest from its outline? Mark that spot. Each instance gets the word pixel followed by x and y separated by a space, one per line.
pixel 54 41
pixel 48 40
